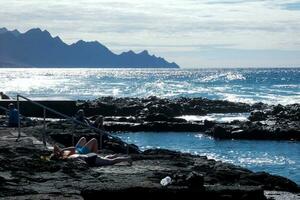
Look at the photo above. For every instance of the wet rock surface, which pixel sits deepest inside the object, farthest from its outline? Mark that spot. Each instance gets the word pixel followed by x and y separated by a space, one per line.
pixel 272 123
pixel 25 174
pixel 266 122
pixel 279 195
pixel 154 108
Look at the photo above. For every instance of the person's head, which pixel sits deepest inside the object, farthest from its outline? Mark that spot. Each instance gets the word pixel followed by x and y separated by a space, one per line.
pixel 11 106
pixel 80 113
pixel 99 121
pixel 57 154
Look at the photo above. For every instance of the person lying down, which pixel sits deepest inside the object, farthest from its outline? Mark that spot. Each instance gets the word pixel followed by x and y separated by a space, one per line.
pixel 87 151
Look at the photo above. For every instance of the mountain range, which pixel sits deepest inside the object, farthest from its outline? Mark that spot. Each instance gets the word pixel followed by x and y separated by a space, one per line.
pixel 37 48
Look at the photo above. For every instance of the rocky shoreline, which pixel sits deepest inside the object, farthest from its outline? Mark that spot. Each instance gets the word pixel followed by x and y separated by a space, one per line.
pixel 24 173
pixel 267 122
pixel 272 123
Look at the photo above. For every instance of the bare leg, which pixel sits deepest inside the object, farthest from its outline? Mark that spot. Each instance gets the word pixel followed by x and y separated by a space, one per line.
pixel 81 142
pixel 92 145
pixel 111 156
pixel 104 161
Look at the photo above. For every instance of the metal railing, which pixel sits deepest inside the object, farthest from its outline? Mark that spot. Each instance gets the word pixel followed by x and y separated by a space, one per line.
pixel 75 121
pixel 3 108
pixel 7 111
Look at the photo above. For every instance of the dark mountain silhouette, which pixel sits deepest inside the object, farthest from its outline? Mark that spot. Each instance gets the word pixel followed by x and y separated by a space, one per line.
pixel 37 48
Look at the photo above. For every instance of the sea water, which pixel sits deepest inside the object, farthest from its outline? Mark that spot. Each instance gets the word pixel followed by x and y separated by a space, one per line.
pixel 276 157
pixel 272 86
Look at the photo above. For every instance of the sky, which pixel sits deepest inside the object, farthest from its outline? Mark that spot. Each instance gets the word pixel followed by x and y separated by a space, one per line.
pixel 192 33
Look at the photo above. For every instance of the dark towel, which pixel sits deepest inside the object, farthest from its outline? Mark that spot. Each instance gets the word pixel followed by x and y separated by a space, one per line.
pixel 90 159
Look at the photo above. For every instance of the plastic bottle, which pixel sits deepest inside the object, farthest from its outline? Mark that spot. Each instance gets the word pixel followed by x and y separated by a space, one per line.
pixel 166 181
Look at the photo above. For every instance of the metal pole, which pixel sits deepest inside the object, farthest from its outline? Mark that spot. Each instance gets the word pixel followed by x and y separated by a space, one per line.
pixel 19 118
pixel 6 115
pixel 6 112
pixel 44 127
pixel 127 149
pixel 100 141
pixel 73 140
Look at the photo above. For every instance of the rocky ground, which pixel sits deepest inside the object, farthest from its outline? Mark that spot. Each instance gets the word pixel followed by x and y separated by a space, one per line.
pixel 144 107
pixel 25 174
pixel 272 123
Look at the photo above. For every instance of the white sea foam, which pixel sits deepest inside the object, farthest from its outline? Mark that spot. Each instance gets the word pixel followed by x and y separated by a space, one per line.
pixel 227 117
pixel 228 76
pixel 247 86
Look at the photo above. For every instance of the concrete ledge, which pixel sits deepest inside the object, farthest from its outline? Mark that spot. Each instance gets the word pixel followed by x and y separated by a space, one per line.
pixel 67 107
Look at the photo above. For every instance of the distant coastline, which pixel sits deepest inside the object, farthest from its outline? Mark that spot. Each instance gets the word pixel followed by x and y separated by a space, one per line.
pixel 91 67
pixel 37 48
pixel 147 68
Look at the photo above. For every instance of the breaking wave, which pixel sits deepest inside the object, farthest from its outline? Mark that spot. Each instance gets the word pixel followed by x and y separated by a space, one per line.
pixel 271 86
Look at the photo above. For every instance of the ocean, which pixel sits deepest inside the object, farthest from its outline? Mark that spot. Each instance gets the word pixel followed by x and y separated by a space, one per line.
pixel 276 157
pixel 272 86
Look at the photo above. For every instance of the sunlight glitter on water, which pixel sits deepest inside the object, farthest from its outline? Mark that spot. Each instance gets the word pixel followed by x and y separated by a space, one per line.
pixel 239 85
pixel 276 157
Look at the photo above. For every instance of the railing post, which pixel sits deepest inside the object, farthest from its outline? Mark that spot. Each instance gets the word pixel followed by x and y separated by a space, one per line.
pixel 127 149
pixel 100 141
pixel 73 127
pixel 6 115
pixel 44 127
pixel 19 118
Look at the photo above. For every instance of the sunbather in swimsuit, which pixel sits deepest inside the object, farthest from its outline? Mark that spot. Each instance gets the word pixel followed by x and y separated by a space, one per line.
pixel 87 151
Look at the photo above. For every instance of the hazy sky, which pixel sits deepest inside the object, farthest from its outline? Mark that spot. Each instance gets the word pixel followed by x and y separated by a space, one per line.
pixel 192 33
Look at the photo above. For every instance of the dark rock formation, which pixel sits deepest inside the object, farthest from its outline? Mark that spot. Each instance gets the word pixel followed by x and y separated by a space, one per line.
pixel 25 173
pixel 154 108
pixel 266 122
pixel 147 109
pixel 3 96
pixel 273 123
